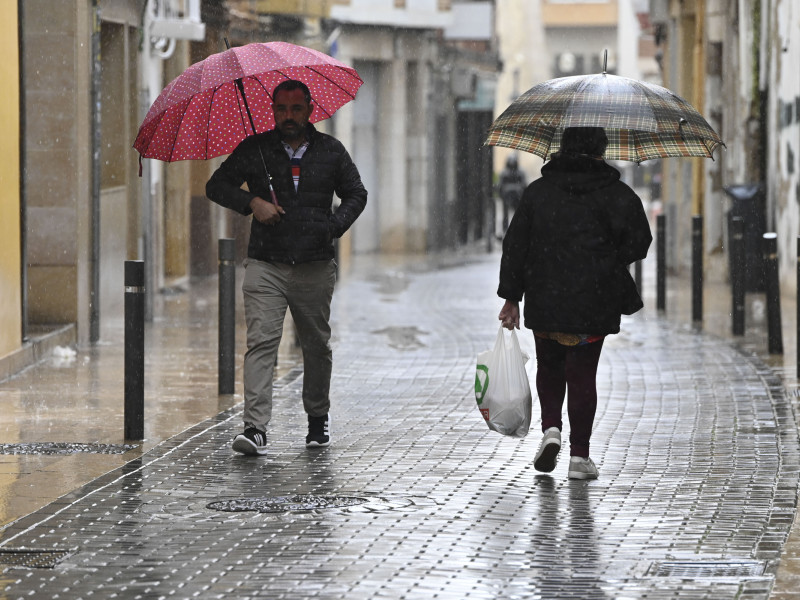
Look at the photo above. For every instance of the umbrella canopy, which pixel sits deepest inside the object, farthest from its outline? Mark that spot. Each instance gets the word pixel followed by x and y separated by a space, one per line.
pixel 202 113
pixel 643 121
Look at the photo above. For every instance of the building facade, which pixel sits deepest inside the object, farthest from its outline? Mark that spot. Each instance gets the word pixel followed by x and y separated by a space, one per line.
pixel 79 203
pixel 736 60
pixel 11 291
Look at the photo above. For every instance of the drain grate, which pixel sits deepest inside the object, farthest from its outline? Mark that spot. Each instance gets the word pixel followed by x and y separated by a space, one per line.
pixel 296 503
pixel 34 559
pixel 64 448
pixel 706 569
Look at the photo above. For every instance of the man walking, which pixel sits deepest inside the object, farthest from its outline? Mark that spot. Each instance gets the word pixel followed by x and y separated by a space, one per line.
pixel 290 257
pixel 511 183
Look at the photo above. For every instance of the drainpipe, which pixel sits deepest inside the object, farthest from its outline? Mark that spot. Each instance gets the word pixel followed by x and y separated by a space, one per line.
pixel 23 207
pixel 96 99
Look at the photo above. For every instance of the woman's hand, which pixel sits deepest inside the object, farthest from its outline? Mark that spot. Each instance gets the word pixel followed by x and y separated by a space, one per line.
pixel 509 315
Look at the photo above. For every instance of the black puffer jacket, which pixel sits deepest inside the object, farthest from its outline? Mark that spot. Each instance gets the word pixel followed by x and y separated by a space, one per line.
pixel 307 230
pixel 568 246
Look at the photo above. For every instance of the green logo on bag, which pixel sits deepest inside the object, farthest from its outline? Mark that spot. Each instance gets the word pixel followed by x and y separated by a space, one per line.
pixel 481 387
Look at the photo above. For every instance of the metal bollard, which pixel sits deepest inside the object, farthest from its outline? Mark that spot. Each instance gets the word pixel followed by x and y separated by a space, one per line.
pixel 697 269
pixel 134 349
pixel 661 262
pixel 774 334
pixel 737 275
pixel 226 370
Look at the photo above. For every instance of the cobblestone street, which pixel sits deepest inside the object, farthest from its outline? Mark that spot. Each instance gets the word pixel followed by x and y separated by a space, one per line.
pixel 696 443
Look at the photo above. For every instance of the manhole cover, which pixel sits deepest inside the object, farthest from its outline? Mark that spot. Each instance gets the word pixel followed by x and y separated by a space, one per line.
pixel 38 559
pixel 705 569
pixel 64 448
pixel 296 503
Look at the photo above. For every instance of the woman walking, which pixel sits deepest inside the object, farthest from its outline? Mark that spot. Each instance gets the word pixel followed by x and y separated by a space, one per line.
pixel 566 253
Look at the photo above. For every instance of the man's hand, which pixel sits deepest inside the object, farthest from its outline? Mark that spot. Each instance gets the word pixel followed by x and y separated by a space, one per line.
pixel 509 315
pixel 265 212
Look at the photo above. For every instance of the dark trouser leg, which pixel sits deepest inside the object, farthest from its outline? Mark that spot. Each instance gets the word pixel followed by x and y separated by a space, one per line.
pixel 551 383
pixel 581 377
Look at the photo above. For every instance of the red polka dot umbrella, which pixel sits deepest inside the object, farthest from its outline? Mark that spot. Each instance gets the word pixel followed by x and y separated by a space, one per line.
pixel 202 113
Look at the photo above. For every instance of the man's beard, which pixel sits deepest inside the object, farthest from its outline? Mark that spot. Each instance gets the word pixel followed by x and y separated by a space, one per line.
pixel 291 134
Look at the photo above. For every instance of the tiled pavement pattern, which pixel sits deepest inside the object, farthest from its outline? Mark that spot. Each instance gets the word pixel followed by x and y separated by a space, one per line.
pixel 696 444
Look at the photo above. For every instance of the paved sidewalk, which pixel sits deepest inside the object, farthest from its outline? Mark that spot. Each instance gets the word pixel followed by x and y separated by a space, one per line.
pixel 696 443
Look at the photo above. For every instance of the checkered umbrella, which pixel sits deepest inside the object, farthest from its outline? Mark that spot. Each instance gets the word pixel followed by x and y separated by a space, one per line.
pixel 217 102
pixel 643 121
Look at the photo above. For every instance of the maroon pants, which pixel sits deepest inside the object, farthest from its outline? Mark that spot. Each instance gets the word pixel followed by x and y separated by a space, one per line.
pixel 573 370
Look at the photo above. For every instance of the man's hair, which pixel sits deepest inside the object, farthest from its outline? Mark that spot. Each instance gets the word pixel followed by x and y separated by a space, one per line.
pixel 291 85
pixel 591 141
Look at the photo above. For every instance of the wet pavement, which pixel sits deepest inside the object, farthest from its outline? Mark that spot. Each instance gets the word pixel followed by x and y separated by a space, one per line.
pixel 696 440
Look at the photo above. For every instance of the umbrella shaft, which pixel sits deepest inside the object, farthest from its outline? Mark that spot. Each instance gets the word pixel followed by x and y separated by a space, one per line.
pixel 240 85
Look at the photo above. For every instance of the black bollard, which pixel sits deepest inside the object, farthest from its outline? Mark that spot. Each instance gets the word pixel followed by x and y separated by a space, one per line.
pixel 737 275
pixel 697 269
pixel 661 262
pixel 637 276
pixel 226 370
pixel 134 349
pixel 774 334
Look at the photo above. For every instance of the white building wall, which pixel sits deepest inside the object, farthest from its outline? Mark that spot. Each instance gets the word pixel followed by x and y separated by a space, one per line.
pixel 386 134
pixel 415 13
pixel 525 63
pixel 628 32
pixel 783 157
pixel 392 164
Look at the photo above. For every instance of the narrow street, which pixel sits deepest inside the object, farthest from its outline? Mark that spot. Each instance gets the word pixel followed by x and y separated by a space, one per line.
pixel 696 443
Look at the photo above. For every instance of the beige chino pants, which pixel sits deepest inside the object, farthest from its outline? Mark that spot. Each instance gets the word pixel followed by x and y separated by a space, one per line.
pixel 269 289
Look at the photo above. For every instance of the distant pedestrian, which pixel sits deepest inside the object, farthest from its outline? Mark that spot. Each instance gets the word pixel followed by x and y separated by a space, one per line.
pixel 510 185
pixel 290 257
pixel 567 252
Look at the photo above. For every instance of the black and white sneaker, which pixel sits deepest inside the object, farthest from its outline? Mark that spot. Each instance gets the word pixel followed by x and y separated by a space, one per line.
pixel 252 442
pixel 319 432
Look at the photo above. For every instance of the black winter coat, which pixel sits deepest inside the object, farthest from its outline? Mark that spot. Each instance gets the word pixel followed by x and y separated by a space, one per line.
pixel 306 231
pixel 568 247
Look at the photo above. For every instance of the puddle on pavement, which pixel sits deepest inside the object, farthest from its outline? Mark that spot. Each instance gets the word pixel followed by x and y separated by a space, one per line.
pixel 390 283
pixel 402 338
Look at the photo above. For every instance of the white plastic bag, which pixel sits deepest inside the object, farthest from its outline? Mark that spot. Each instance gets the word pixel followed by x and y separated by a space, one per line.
pixel 502 389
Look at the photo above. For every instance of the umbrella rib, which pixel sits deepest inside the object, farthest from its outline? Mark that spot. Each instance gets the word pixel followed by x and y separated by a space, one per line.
pixel 241 115
pixel 352 96
pixel 149 141
pixel 178 131
pixel 263 87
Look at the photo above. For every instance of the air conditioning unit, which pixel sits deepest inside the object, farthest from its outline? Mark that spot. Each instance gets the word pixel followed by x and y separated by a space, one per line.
pixel 177 19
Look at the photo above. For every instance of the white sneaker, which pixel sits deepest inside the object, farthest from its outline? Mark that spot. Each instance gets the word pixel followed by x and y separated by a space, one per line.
pixel 547 455
pixel 582 468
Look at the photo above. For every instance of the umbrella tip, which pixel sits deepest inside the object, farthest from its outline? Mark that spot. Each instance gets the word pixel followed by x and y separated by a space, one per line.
pixel 605 60
pixel 227 45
